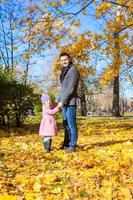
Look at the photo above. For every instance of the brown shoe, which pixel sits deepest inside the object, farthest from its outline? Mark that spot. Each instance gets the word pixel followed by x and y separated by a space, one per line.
pixel 70 149
pixel 63 148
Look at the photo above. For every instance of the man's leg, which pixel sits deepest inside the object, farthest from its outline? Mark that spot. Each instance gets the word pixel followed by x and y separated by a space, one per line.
pixel 71 118
pixel 66 127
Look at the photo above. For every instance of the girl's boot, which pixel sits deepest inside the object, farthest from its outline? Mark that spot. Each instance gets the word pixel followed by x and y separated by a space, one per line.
pixel 45 145
pixel 49 143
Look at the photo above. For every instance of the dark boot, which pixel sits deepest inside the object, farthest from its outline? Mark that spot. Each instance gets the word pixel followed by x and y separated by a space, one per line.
pixel 45 145
pixel 49 143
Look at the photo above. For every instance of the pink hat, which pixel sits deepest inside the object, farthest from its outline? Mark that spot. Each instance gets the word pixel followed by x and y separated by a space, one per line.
pixel 45 98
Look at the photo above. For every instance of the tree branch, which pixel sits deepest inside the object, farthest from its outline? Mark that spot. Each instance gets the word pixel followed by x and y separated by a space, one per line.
pixel 118 4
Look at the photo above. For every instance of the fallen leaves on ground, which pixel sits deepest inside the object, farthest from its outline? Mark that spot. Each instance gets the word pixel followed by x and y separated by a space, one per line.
pixel 100 169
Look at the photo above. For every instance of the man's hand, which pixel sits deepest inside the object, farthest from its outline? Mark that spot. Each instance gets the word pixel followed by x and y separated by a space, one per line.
pixel 60 105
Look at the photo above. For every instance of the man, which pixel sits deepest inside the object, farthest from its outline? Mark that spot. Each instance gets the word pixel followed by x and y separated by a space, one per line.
pixel 69 79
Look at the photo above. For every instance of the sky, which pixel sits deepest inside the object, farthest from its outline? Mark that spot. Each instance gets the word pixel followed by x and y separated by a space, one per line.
pixel 43 65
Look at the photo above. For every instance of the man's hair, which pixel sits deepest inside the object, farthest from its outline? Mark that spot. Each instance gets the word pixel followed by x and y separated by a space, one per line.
pixel 65 54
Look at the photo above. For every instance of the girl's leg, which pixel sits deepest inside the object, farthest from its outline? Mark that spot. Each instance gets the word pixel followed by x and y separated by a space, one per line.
pixel 47 143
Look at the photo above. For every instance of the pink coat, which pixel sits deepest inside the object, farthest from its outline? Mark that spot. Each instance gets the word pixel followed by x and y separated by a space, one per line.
pixel 48 125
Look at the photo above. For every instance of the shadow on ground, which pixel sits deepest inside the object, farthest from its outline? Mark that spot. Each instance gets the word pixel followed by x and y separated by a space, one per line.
pixel 102 144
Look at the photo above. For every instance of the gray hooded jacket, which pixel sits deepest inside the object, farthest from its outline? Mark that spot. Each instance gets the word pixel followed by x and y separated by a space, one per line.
pixel 68 91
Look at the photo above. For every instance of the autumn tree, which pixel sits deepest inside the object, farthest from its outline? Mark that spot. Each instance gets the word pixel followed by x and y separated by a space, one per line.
pixel 77 50
pixel 114 43
pixel 9 34
pixel 14 48
pixel 118 21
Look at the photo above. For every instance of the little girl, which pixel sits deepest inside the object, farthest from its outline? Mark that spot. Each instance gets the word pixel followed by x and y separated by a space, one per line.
pixel 48 127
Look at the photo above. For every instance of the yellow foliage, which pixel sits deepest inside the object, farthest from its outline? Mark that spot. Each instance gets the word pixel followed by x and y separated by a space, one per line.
pixel 122 1
pixel 76 50
pixel 53 3
pixel 26 56
pixel 101 168
pixel 8 197
pixel 102 8
pixel 77 23
pixel 63 2
pixel 30 10
pixel 130 22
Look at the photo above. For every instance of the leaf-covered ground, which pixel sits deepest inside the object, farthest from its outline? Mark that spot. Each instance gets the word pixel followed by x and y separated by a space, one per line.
pixel 101 168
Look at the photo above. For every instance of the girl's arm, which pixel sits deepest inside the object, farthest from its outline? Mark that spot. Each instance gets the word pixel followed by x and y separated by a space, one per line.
pixel 52 111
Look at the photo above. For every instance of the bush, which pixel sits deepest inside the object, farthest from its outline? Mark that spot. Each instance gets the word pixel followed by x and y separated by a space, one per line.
pixel 16 99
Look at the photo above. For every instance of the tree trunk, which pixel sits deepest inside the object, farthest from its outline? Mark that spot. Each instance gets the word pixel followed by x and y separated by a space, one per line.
pixel 115 109
pixel 18 121
pixel 3 121
pixel 8 121
pixel 28 61
pixel 82 92
pixel 83 105
pixel 12 43
pixel 116 84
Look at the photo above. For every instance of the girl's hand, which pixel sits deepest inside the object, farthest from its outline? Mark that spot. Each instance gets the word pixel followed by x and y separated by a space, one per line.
pixel 55 104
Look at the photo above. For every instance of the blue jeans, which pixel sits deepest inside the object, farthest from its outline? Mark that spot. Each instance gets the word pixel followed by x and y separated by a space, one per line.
pixel 69 122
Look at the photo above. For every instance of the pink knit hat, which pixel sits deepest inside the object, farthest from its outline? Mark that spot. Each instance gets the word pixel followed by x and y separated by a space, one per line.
pixel 45 98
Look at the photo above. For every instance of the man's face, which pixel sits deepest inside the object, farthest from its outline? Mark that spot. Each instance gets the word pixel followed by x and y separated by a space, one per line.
pixel 65 61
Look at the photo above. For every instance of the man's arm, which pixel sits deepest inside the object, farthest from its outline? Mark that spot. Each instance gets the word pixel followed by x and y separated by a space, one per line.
pixel 70 87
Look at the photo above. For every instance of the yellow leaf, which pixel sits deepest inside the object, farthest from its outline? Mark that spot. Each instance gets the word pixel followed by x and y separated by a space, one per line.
pixel 26 56
pixel 56 190
pixel 37 187
pixel 77 23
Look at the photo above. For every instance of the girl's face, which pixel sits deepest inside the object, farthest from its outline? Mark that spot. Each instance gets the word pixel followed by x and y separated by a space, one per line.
pixel 48 102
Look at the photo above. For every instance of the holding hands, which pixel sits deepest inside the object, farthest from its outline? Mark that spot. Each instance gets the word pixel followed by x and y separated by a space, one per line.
pixel 60 105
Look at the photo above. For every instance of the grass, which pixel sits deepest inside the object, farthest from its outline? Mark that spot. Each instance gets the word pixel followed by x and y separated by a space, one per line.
pixel 128 114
